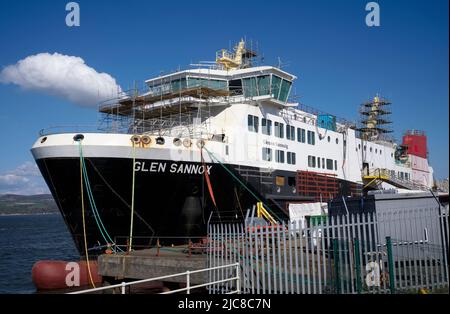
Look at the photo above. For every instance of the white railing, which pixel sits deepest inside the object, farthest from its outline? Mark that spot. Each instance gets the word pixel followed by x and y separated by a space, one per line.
pixel 188 287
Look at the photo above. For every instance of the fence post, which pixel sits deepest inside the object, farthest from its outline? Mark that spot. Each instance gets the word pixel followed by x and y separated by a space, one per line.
pixel 336 266
pixel 391 265
pixel 188 282
pixel 357 265
pixel 123 287
pixel 238 280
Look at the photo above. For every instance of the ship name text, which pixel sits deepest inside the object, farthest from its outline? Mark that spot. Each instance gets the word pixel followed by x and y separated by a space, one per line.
pixel 162 167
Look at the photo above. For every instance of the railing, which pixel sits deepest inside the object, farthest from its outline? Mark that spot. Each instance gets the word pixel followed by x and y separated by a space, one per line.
pixel 386 174
pixel 85 128
pixel 188 287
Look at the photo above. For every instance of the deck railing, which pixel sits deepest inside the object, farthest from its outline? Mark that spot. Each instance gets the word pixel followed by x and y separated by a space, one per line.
pixel 236 278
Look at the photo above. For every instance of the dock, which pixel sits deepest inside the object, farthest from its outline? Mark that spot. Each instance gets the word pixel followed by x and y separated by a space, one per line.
pixel 151 263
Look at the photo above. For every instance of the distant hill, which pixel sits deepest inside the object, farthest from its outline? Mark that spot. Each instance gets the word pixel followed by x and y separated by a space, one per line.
pixel 27 204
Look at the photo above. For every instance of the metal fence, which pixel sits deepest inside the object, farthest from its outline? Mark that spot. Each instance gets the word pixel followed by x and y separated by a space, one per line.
pixel 354 253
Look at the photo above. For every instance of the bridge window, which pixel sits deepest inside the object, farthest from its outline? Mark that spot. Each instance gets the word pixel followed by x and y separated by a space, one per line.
pixel 276 84
pixel 250 89
pixel 253 123
pixel 235 87
pixel 266 126
pixel 284 91
pixel 204 82
pixel 263 85
pixel 267 154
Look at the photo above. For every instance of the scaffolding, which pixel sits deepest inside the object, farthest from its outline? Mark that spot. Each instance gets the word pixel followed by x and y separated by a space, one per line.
pixel 374 119
pixel 183 113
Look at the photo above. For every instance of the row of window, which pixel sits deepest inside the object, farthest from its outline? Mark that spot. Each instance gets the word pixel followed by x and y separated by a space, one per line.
pixel 371 149
pixel 279 156
pixel 403 175
pixel 249 87
pixel 266 128
pixel 263 85
pixel 322 163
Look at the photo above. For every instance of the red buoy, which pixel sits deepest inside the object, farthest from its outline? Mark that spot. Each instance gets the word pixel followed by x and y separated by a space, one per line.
pixel 53 275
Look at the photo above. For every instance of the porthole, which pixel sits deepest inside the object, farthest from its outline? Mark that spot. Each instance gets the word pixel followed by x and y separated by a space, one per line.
pixel 160 140
pixel 329 138
pixel 177 141
pixel 200 144
pixel 78 137
pixel 187 143
pixel 43 139
pixel 337 141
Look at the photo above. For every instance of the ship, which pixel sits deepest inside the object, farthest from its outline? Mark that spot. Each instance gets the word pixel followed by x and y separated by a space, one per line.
pixel 208 143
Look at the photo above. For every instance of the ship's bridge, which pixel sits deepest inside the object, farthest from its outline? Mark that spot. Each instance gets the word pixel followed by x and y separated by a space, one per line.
pixel 262 81
pixel 190 96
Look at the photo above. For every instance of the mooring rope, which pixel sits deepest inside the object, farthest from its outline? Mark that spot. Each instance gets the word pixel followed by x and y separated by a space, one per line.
pixel 132 198
pixel 95 211
pixel 84 220
pixel 213 158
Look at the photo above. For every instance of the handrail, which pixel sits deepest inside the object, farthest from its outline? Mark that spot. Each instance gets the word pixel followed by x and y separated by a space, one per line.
pixel 188 287
pixel 71 128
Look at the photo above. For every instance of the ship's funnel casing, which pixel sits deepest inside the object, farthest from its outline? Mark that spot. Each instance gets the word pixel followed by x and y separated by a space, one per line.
pixel 416 141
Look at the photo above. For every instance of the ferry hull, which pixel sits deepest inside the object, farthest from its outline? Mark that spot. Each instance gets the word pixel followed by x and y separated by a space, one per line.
pixel 172 199
pixel 172 206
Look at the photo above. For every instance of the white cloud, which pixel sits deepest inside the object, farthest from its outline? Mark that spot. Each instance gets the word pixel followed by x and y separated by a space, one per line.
pixel 25 179
pixel 65 76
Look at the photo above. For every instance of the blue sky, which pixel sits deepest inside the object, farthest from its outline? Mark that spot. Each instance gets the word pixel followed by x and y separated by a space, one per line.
pixel 340 61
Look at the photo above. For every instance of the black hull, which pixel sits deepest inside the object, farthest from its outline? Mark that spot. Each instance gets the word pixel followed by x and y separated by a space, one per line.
pixel 170 204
